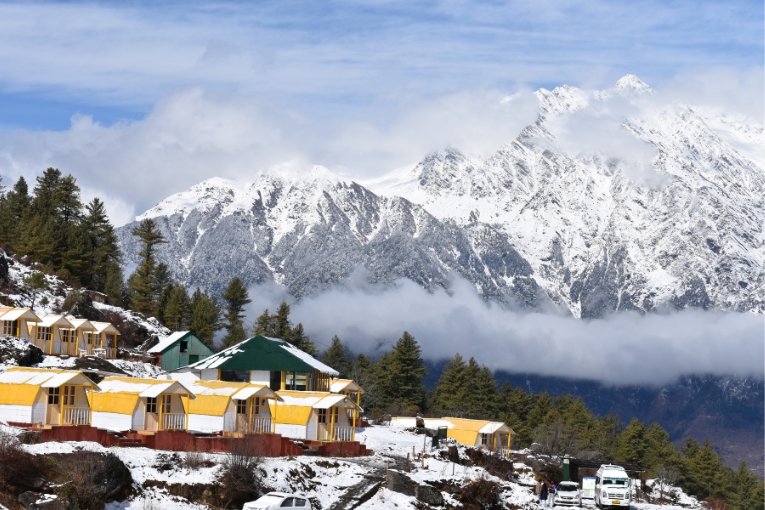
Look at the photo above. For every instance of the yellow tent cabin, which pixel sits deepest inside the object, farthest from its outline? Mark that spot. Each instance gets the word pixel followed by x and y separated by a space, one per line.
pixel 39 396
pixel 230 407
pixel 314 415
pixel 143 405
pixel 17 322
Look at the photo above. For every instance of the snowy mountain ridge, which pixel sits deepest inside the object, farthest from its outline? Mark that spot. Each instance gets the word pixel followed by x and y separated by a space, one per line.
pixel 606 202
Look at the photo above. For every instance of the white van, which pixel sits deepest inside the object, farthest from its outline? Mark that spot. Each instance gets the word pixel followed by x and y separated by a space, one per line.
pixel 612 486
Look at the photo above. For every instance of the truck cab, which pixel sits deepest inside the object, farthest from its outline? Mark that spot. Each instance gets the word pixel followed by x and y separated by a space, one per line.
pixel 612 487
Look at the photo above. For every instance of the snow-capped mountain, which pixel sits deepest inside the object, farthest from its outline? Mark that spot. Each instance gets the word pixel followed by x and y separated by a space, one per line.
pixel 607 202
pixel 315 232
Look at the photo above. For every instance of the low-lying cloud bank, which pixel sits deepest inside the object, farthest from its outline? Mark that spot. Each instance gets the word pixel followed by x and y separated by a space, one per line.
pixel 624 348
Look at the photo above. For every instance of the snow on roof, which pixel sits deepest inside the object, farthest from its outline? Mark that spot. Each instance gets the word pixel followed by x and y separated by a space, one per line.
pixel 235 390
pixel 307 358
pixel 264 353
pixel 46 378
pixel 340 385
pixel 166 342
pixel 314 399
pixel 105 327
pixel 50 320
pixel 12 314
pixel 142 387
pixel 80 323
pixel 482 426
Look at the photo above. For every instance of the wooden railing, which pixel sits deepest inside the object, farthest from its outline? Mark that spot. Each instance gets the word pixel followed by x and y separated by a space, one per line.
pixel 173 421
pixel 260 425
pixel 76 416
pixel 341 434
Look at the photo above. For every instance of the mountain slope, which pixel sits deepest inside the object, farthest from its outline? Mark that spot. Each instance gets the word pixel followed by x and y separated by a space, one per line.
pixel 668 213
pixel 607 202
pixel 314 233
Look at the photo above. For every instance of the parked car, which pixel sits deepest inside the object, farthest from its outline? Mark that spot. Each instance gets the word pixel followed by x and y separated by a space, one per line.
pixel 278 500
pixel 568 493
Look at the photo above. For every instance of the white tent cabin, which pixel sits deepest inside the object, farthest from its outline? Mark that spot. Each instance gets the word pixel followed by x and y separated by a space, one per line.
pixel 39 396
pixel 314 416
pixel 17 322
pixel 143 405
pixel 233 408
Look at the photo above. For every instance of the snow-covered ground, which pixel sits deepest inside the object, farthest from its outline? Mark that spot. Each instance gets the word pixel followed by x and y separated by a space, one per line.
pixel 322 479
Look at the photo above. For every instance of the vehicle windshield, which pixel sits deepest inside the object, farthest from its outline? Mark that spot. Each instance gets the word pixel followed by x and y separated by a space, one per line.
pixel 566 487
pixel 620 482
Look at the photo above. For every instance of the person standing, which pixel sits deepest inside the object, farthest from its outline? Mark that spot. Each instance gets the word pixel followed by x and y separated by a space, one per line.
pixel 551 496
pixel 543 493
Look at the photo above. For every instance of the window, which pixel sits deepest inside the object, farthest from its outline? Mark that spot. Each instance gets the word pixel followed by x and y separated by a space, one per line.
pixel 167 404
pixel 53 395
pixel 184 345
pixel 486 439
pixel 68 395
pixel 43 334
pixel 151 404
pixel 293 503
pixel 241 407
pixel 322 415
pixel 10 327
pixel 257 405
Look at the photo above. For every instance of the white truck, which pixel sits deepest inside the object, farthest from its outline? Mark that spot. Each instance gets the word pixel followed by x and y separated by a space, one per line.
pixel 612 487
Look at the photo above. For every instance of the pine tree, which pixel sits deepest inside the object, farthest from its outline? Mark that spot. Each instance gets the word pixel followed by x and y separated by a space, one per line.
pixel 178 309
pixel 302 341
pixel 746 491
pixel 447 398
pixel 114 285
pixel 281 323
pixel 14 207
pixel 142 284
pixel 703 472
pixel 263 325
pixel 235 298
pixel 102 251
pixel 205 317
pixel 408 366
pixel 35 283
pixel 632 443
pixel 360 371
pixel 337 357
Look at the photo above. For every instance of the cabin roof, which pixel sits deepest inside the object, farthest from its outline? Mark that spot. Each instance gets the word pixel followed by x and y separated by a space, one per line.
pixel 167 341
pixel 264 353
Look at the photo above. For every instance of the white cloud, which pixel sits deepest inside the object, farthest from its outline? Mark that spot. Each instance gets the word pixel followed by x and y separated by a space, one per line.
pixel 193 135
pixel 625 348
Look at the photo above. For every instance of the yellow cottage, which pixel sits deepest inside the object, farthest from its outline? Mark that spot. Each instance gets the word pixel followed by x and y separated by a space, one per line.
pixel 230 407
pixel 143 405
pixel 17 322
pixel 105 340
pixel 39 396
pixel 314 416
pixel 73 340
pixel 491 435
pixel 50 332
pixel 352 390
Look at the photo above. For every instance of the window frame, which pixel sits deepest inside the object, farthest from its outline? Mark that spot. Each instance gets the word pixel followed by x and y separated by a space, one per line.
pixel 151 405
pixel 69 395
pixel 54 396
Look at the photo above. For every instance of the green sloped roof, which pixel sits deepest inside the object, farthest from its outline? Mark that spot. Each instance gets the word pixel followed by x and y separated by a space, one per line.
pixel 264 353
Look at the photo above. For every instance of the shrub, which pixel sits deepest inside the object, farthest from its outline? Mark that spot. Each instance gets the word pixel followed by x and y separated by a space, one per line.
pixel 240 478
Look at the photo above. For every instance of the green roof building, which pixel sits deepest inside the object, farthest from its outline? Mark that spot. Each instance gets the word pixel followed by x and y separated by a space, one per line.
pixel 180 349
pixel 264 360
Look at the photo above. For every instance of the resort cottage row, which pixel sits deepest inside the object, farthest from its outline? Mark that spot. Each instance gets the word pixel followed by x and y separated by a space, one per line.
pixel 259 386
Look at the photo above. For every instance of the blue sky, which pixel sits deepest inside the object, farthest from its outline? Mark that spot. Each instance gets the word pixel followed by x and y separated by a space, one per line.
pixel 347 58
pixel 359 86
